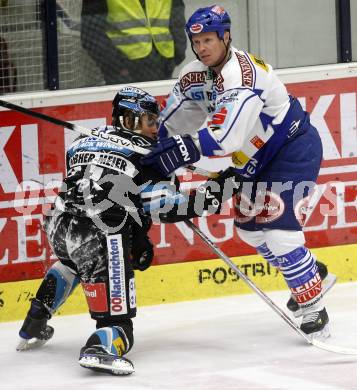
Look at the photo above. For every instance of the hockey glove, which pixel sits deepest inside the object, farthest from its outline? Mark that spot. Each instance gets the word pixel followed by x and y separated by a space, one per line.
pixel 208 197
pixel 172 153
pixel 142 252
pixel 199 201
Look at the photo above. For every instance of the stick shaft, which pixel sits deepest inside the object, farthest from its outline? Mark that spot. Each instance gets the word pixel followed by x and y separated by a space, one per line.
pixel 244 277
pixel 310 340
pixel 111 138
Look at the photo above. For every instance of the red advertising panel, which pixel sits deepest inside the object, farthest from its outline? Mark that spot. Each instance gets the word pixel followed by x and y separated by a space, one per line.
pixel 32 165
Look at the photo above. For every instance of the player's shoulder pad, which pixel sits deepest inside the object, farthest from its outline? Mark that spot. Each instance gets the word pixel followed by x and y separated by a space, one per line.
pixel 258 62
pixel 192 66
pixel 252 69
pixel 192 74
pixel 105 128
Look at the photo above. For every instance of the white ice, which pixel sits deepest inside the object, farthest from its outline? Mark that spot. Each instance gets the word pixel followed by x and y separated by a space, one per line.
pixel 236 342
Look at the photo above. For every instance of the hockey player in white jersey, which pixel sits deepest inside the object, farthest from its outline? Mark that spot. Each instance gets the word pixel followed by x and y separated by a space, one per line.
pixel 231 102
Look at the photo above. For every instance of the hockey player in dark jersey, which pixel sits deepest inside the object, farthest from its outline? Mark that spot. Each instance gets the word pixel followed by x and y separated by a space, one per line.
pixel 98 230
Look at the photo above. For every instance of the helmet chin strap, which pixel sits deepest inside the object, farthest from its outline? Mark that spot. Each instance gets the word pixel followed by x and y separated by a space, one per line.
pixel 136 121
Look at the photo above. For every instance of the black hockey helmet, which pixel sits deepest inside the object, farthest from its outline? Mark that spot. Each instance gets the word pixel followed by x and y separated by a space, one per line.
pixel 135 102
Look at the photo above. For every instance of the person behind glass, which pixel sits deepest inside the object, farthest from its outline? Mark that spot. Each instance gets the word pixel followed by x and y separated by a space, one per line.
pixel 137 40
pixel 230 101
pixel 98 231
pixel 8 71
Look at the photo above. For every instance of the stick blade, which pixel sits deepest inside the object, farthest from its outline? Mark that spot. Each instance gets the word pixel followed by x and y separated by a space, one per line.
pixel 333 348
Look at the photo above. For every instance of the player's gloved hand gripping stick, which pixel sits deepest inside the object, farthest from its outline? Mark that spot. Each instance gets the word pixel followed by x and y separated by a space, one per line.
pixel 172 153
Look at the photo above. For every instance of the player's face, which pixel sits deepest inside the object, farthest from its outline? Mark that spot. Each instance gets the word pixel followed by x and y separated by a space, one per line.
pixel 209 48
pixel 149 125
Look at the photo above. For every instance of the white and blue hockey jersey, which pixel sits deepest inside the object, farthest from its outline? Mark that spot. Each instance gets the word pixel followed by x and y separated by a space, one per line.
pixel 245 110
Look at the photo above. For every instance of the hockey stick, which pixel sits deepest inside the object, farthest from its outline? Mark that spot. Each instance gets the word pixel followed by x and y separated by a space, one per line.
pixel 266 299
pixel 111 138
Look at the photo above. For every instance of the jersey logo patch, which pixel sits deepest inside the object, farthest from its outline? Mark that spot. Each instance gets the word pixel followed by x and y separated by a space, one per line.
pixel 96 295
pixel 105 160
pixel 219 117
pixel 259 61
pixel 239 158
pixel 267 207
pixel 243 208
pixel 192 78
pixel 218 83
pixel 117 286
pixel 257 142
pixel 246 69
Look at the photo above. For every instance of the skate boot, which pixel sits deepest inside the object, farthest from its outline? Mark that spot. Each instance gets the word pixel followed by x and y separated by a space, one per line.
pixel 35 332
pixel 315 323
pixel 328 280
pixel 97 358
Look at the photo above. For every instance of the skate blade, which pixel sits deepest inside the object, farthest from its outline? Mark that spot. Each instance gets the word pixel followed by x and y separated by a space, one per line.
pixel 118 366
pixel 28 344
pixel 322 334
pixel 327 284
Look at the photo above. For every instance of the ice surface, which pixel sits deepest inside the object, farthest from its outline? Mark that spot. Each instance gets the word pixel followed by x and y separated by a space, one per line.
pixel 227 343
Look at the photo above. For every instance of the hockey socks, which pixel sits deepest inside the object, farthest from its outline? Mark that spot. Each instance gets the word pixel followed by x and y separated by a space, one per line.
pixel 302 276
pixel 328 281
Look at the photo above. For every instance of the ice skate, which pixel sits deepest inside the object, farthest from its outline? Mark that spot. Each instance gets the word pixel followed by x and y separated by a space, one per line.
pixel 315 324
pixel 35 332
pixel 328 281
pixel 98 359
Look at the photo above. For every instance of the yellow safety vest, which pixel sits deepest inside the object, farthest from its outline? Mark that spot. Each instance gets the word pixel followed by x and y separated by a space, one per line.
pixel 133 32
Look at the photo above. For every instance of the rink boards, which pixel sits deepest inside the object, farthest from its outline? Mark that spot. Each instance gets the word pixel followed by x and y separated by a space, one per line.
pixel 185 281
pixel 32 165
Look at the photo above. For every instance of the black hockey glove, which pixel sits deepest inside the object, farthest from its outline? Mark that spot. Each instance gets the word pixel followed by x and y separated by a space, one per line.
pixel 142 252
pixel 213 193
pixel 172 153
pixel 229 182
pixel 208 197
